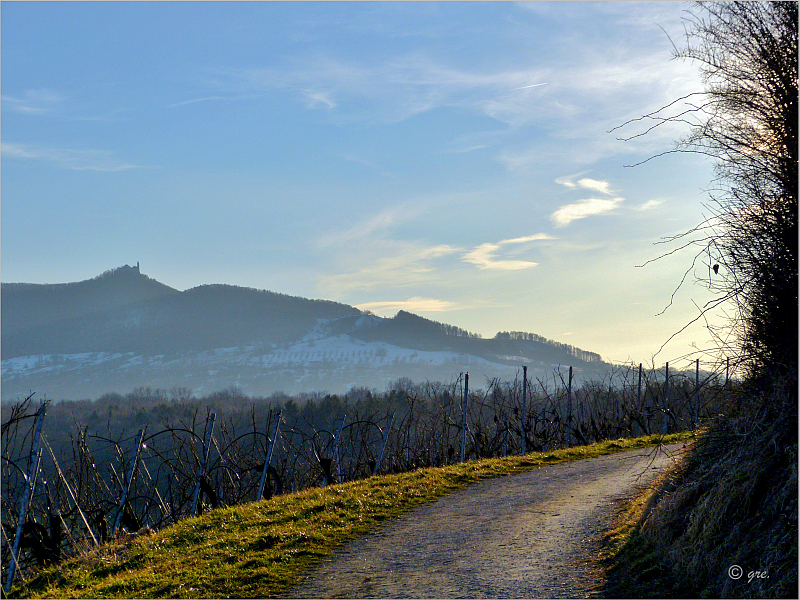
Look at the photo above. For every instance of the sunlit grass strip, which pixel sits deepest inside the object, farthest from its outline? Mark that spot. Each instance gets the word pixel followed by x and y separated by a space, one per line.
pixel 261 549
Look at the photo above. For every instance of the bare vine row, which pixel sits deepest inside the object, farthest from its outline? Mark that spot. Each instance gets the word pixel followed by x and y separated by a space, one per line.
pixel 62 498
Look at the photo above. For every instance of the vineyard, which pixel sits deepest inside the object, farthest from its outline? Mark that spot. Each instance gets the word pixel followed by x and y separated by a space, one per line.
pixel 159 459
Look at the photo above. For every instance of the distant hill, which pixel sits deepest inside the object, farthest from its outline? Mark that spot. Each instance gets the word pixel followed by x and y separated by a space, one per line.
pixel 125 311
pixel 28 306
pixel 123 329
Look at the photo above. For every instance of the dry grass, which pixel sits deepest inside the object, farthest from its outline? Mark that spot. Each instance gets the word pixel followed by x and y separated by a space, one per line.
pixel 733 502
pixel 261 549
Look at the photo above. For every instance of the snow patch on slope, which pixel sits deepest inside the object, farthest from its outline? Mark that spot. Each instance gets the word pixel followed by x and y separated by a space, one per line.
pixel 344 348
pixel 313 351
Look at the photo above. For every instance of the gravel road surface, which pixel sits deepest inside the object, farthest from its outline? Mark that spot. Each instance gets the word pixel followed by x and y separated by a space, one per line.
pixel 519 536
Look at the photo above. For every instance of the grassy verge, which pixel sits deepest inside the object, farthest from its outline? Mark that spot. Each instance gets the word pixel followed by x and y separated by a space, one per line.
pixel 261 549
pixel 721 525
pixel 632 566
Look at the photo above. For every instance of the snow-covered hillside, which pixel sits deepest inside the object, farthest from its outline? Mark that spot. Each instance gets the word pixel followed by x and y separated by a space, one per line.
pixel 332 364
pixel 124 330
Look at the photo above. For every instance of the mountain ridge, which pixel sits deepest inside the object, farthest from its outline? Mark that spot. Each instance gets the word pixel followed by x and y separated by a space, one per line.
pixel 123 329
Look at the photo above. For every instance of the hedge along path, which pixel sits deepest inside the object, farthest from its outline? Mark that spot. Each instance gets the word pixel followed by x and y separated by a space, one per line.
pixel 262 549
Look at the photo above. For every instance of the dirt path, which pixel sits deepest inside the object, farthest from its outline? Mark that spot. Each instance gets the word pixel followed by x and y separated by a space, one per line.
pixel 521 536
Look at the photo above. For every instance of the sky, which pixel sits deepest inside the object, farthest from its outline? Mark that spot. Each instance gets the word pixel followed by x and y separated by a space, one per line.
pixel 456 160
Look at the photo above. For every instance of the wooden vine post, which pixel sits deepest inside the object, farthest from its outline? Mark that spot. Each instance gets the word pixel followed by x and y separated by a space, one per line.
pixel 30 478
pixel 268 458
pixel 569 409
pixel 203 463
pixel 383 446
pixel 524 441
pixel 338 451
pixel 128 481
pixel 464 418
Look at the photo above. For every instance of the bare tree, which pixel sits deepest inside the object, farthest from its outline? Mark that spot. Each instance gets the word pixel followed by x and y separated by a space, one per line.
pixel 746 120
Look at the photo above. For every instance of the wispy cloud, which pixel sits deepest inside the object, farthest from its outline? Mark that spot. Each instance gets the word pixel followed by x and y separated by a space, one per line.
pixel 595 185
pixel 33 102
pixel 373 227
pixel 536 237
pixel 581 209
pixel 650 205
pixel 414 304
pixel 597 91
pixel 69 158
pixel 367 255
pixel 484 256
pixel 586 207
pixel 526 87
pixel 385 264
pixel 216 98
pixel 585 183
pixel 315 98
pixel 393 89
pixel 574 95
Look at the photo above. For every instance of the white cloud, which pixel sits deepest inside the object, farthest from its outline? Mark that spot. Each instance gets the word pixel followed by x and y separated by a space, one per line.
pixel 414 304
pixel 588 184
pixel 438 251
pixel 566 182
pixel 587 207
pixel 529 238
pixel 483 256
pixel 367 255
pixel 584 208
pixel 650 204
pixel 593 184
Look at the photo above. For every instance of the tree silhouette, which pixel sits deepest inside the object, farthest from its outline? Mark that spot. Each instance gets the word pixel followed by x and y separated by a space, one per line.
pixel 746 121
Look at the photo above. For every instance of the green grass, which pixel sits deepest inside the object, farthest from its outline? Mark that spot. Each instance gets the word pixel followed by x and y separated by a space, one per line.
pixel 261 549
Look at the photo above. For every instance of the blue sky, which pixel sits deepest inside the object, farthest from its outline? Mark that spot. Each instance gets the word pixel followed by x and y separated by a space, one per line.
pixel 451 159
